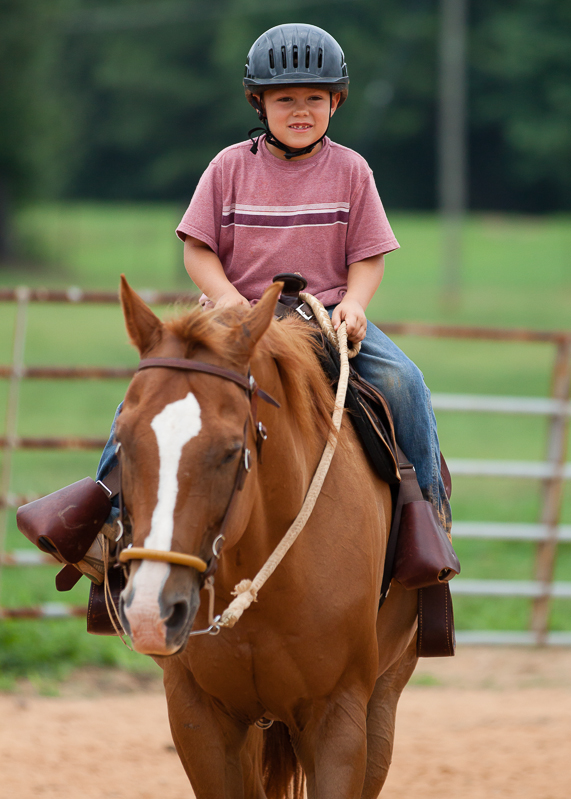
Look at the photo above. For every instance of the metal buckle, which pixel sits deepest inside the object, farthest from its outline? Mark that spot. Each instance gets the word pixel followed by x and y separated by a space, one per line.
pixel 213 621
pixel 247 460
pixel 215 550
pixel 301 312
pixel 104 487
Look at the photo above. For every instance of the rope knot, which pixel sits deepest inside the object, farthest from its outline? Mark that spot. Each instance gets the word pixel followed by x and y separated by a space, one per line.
pixel 244 587
pixel 245 593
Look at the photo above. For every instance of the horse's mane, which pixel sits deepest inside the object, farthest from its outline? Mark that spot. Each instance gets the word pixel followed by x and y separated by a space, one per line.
pixel 290 343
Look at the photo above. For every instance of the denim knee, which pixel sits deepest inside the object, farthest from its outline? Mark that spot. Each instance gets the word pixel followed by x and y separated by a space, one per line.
pixel 402 383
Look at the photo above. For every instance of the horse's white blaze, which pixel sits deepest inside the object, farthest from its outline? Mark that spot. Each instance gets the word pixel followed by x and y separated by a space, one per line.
pixel 174 426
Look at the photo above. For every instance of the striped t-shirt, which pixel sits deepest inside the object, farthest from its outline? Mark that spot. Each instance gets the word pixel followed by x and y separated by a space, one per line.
pixel 263 216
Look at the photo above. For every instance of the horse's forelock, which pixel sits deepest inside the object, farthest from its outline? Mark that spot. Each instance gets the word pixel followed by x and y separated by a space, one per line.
pixel 292 345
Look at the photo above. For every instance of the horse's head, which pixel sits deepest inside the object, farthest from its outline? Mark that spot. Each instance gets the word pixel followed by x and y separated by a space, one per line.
pixel 181 436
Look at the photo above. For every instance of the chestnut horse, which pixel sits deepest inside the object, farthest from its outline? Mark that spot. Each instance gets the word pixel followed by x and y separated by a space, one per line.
pixel 313 654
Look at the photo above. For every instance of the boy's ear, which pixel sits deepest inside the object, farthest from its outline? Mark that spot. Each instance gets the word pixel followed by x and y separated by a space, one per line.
pixel 258 319
pixel 144 328
pixel 335 97
pixel 258 100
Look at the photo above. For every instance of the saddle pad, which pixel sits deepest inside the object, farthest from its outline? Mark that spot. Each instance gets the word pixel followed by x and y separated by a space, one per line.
pixel 369 412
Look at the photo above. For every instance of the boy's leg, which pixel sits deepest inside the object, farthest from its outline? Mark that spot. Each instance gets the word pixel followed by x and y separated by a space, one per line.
pixel 93 562
pixel 384 365
pixel 108 459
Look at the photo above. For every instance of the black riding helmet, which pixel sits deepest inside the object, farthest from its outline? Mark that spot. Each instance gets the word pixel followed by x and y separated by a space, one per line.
pixel 288 55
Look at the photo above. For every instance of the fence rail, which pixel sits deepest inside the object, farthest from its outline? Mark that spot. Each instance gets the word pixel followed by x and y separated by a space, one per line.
pixel 553 472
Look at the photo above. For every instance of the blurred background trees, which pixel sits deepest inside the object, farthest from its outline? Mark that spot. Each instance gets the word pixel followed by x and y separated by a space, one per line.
pixel 127 100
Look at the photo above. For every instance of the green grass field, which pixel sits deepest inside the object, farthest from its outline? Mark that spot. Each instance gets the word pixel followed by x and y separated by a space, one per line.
pixel 516 274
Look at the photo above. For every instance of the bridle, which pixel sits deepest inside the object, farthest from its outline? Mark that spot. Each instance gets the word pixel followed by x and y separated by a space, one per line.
pixel 248 383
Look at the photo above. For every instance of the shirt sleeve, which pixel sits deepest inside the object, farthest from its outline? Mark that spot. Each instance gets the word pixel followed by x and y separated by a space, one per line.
pixel 368 232
pixel 203 217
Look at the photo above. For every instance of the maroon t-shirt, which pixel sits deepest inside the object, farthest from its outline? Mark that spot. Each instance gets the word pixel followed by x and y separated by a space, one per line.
pixel 263 216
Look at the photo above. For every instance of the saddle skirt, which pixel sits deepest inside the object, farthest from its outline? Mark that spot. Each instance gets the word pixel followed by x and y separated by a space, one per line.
pixel 369 412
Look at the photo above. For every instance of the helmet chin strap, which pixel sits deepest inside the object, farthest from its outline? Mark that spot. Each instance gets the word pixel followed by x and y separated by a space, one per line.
pixel 290 152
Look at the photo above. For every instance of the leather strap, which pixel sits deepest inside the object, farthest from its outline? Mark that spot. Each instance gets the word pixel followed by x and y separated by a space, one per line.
pixel 112 481
pixel 247 383
pixel 435 635
pixel 409 491
pixel 300 308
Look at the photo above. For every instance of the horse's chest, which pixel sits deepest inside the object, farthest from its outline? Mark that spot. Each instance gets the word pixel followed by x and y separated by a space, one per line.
pixel 267 672
pixel 224 671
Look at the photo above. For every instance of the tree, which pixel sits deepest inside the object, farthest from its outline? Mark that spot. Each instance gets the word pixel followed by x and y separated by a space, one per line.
pixel 130 100
pixel 521 103
pixel 36 111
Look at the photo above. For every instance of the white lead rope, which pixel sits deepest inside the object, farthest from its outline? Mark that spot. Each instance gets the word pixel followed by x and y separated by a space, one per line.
pixel 246 591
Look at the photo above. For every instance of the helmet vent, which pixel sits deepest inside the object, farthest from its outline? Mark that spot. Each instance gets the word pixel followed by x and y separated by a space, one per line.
pixel 271 54
pixel 320 58
pixel 284 59
pixel 295 56
pixel 307 54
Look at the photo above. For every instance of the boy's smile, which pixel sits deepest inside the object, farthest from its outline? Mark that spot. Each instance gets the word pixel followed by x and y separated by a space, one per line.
pixel 298 116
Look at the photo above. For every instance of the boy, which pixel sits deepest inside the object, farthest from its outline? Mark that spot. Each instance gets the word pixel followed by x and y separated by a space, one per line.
pixel 294 201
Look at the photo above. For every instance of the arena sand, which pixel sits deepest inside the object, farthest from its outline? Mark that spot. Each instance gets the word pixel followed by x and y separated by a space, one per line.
pixel 488 723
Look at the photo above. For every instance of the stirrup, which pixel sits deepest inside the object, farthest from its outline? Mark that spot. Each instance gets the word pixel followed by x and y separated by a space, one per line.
pixel 93 564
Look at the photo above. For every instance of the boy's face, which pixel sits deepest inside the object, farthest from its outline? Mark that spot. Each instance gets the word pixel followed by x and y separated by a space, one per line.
pixel 298 115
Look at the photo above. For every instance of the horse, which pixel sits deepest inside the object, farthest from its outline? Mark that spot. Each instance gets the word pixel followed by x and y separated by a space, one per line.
pixel 314 654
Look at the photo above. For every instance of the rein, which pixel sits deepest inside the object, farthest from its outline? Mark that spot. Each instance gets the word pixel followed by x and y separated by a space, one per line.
pixel 246 591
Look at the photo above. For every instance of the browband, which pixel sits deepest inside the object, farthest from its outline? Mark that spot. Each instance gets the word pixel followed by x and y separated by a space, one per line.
pixel 247 383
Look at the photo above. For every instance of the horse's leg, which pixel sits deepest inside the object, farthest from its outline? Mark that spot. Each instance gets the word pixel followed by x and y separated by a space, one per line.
pixel 381 720
pixel 332 748
pixel 220 757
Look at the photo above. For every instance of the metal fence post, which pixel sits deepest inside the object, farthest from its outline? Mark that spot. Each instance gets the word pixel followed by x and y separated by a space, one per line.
pixel 19 343
pixel 552 494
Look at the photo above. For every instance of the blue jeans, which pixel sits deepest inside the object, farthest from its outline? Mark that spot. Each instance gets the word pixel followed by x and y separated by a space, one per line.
pixel 108 461
pixel 401 382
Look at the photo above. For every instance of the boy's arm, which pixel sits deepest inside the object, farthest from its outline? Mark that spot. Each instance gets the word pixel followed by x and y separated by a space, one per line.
pixel 363 280
pixel 205 269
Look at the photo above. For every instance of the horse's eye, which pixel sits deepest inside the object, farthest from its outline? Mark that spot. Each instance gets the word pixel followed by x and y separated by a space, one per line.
pixel 231 453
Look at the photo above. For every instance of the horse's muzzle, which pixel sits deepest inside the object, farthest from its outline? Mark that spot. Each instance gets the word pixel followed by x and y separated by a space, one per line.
pixel 158 606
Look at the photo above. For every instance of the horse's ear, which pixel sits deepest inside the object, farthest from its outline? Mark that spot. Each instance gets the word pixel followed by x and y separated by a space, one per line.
pixel 143 327
pixel 257 321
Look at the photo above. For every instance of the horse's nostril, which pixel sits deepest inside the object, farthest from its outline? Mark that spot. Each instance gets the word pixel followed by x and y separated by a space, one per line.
pixel 177 616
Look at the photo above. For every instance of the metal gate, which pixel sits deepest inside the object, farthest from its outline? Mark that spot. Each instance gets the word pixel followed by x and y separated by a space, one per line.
pixel 553 472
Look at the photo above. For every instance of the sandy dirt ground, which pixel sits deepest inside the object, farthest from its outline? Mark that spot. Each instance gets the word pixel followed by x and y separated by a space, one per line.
pixel 488 723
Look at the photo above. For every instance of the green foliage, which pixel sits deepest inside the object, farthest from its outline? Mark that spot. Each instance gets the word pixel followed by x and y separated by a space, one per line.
pixel 131 101
pixel 50 649
pixel 522 62
pixel 36 109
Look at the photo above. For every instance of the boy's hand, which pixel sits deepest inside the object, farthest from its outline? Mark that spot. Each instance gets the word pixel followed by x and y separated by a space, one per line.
pixel 231 299
pixel 352 312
